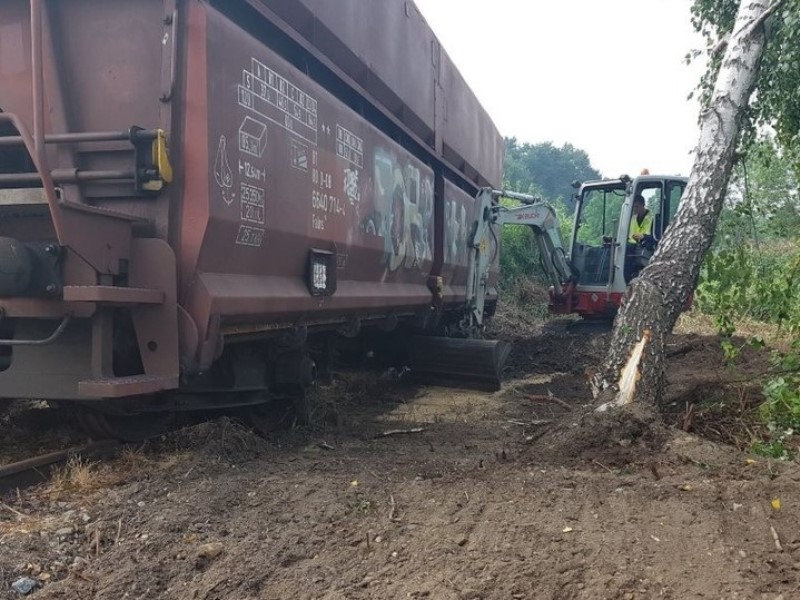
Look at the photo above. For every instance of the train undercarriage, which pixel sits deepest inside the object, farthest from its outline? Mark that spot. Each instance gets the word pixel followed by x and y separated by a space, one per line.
pixel 269 382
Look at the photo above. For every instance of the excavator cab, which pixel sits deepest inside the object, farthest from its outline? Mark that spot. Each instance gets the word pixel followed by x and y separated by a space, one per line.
pixel 604 256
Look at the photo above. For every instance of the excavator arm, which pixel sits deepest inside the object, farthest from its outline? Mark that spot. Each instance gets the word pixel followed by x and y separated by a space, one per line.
pixel 543 221
pixel 478 362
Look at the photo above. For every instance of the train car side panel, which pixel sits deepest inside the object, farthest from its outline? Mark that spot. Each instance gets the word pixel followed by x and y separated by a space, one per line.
pixel 390 50
pixel 15 61
pixel 458 217
pixel 294 175
pixel 468 132
pixel 364 42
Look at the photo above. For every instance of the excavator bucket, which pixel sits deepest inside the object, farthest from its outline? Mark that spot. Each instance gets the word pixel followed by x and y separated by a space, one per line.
pixel 456 362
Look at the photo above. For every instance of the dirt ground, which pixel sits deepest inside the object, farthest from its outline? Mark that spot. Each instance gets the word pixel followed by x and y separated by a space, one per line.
pixel 470 502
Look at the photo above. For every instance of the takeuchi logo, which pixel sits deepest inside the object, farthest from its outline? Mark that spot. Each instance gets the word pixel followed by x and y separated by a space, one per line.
pixel 528 215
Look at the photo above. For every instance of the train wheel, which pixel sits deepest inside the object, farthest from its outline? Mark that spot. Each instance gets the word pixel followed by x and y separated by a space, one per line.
pixel 125 428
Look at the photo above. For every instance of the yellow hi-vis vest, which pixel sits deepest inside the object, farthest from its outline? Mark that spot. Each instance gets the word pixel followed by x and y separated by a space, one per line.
pixel 644 228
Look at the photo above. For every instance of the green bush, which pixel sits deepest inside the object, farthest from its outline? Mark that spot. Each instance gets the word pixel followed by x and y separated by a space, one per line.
pixel 743 281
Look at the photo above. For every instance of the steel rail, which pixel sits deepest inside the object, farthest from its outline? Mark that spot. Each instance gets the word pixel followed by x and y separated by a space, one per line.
pixel 38 469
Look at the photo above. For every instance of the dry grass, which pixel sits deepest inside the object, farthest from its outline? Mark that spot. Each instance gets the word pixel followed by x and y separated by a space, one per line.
pixel 513 320
pixel 135 462
pixel 79 477
pixel 528 292
pixel 695 322
pixel 80 480
pixel 770 333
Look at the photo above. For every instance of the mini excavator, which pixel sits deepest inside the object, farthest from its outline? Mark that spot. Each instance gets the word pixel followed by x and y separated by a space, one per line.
pixel 590 274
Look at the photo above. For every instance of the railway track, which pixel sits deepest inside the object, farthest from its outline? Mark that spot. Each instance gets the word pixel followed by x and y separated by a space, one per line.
pixel 38 469
pixel 31 471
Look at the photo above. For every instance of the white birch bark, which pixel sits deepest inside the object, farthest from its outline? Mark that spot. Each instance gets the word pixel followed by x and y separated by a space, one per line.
pixel 656 297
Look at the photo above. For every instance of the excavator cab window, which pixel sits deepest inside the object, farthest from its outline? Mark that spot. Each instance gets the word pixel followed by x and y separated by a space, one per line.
pixel 598 212
pixel 672 198
pixel 661 199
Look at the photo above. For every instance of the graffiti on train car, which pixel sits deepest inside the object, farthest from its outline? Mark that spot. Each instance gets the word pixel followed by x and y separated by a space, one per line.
pixel 455 232
pixel 403 210
pixel 458 214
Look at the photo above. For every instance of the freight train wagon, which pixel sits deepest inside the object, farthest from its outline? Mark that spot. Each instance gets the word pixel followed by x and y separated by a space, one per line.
pixel 203 203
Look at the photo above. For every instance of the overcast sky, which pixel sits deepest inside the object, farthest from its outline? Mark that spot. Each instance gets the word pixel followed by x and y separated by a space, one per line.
pixel 607 76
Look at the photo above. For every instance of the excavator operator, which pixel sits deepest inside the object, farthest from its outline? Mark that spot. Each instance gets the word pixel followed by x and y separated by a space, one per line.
pixel 640 233
pixel 641 223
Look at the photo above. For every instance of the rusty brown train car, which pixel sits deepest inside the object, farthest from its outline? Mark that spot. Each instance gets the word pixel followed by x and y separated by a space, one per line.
pixel 202 201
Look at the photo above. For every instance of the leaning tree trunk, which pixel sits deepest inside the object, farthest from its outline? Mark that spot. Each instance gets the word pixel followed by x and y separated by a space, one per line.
pixel 634 366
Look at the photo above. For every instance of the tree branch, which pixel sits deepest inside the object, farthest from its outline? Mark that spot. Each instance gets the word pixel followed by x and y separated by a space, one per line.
pixel 722 44
pixel 751 27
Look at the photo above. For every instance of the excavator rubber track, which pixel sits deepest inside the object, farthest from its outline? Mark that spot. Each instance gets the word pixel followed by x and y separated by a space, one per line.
pixel 458 362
